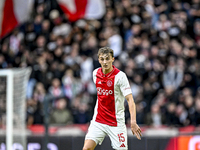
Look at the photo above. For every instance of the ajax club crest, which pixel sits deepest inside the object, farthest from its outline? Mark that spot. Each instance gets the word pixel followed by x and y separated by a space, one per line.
pixel 109 83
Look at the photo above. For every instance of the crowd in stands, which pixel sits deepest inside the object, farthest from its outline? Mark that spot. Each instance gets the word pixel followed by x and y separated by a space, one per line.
pixel 155 42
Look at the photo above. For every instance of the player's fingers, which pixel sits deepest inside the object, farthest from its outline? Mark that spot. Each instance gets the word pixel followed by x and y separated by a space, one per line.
pixel 133 132
pixel 140 132
pixel 138 136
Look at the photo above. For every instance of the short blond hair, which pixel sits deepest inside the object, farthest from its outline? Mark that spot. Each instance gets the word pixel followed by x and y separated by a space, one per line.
pixel 105 50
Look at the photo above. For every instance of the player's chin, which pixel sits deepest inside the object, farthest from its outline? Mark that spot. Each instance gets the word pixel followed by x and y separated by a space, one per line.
pixel 105 67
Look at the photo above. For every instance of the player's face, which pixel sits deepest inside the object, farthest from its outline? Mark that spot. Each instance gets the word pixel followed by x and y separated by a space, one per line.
pixel 106 61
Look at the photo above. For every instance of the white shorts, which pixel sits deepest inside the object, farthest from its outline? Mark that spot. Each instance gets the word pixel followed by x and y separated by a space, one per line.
pixel 118 135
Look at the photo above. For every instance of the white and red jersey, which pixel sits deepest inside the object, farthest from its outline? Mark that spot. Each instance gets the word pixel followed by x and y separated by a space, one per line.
pixel 111 91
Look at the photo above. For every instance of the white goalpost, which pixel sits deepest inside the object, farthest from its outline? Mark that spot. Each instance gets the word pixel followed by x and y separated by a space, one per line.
pixel 13 85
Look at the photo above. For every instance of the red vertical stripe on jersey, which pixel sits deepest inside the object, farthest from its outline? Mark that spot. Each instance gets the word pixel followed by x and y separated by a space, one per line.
pixel 9 22
pixel 80 10
pixel 106 112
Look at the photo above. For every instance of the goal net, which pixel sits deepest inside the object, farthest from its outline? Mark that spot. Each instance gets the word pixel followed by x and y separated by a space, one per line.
pixel 13 85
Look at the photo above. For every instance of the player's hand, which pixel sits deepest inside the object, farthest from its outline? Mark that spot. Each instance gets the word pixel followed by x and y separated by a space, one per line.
pixel 136 130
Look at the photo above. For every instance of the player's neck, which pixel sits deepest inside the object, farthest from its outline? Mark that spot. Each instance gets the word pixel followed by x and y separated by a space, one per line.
pixel 106 71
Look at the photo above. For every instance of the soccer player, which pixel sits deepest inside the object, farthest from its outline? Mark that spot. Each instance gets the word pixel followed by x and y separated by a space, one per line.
pixel 112 89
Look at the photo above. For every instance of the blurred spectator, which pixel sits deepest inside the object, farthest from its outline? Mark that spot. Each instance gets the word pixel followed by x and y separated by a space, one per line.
pixel 182 115
pixel 86 68
pixel 72 86
pixel 3 63
pixel 140 113
pixel 172 76
pixel 196 120
pixel 163 24
pixel 15 40
pixel 60 27
pixel 80 109
pixel 73 57
pixel 155 117
pixel 39 92
pixel 171 119
pixel 60 114
pixel 197 30
pixel 55 89
pixel 35 114
pixel 115 41
pixel 189 106
pixel 38 23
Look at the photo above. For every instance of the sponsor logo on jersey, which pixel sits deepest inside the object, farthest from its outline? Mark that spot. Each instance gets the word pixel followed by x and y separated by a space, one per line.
pixel 101 91
pixel 109 83
pixel 122 145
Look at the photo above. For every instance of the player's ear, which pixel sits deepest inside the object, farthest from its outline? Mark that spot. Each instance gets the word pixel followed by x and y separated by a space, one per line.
pixel 113 59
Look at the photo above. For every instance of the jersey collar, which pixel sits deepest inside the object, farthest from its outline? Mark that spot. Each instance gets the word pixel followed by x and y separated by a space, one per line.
pixel 108 74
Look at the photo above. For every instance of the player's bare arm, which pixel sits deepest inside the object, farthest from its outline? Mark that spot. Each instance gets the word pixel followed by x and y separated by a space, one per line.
pixel 132 109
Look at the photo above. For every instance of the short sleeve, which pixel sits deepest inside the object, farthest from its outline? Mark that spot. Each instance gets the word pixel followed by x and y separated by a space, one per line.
pixel 94 75
pixel 124 85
